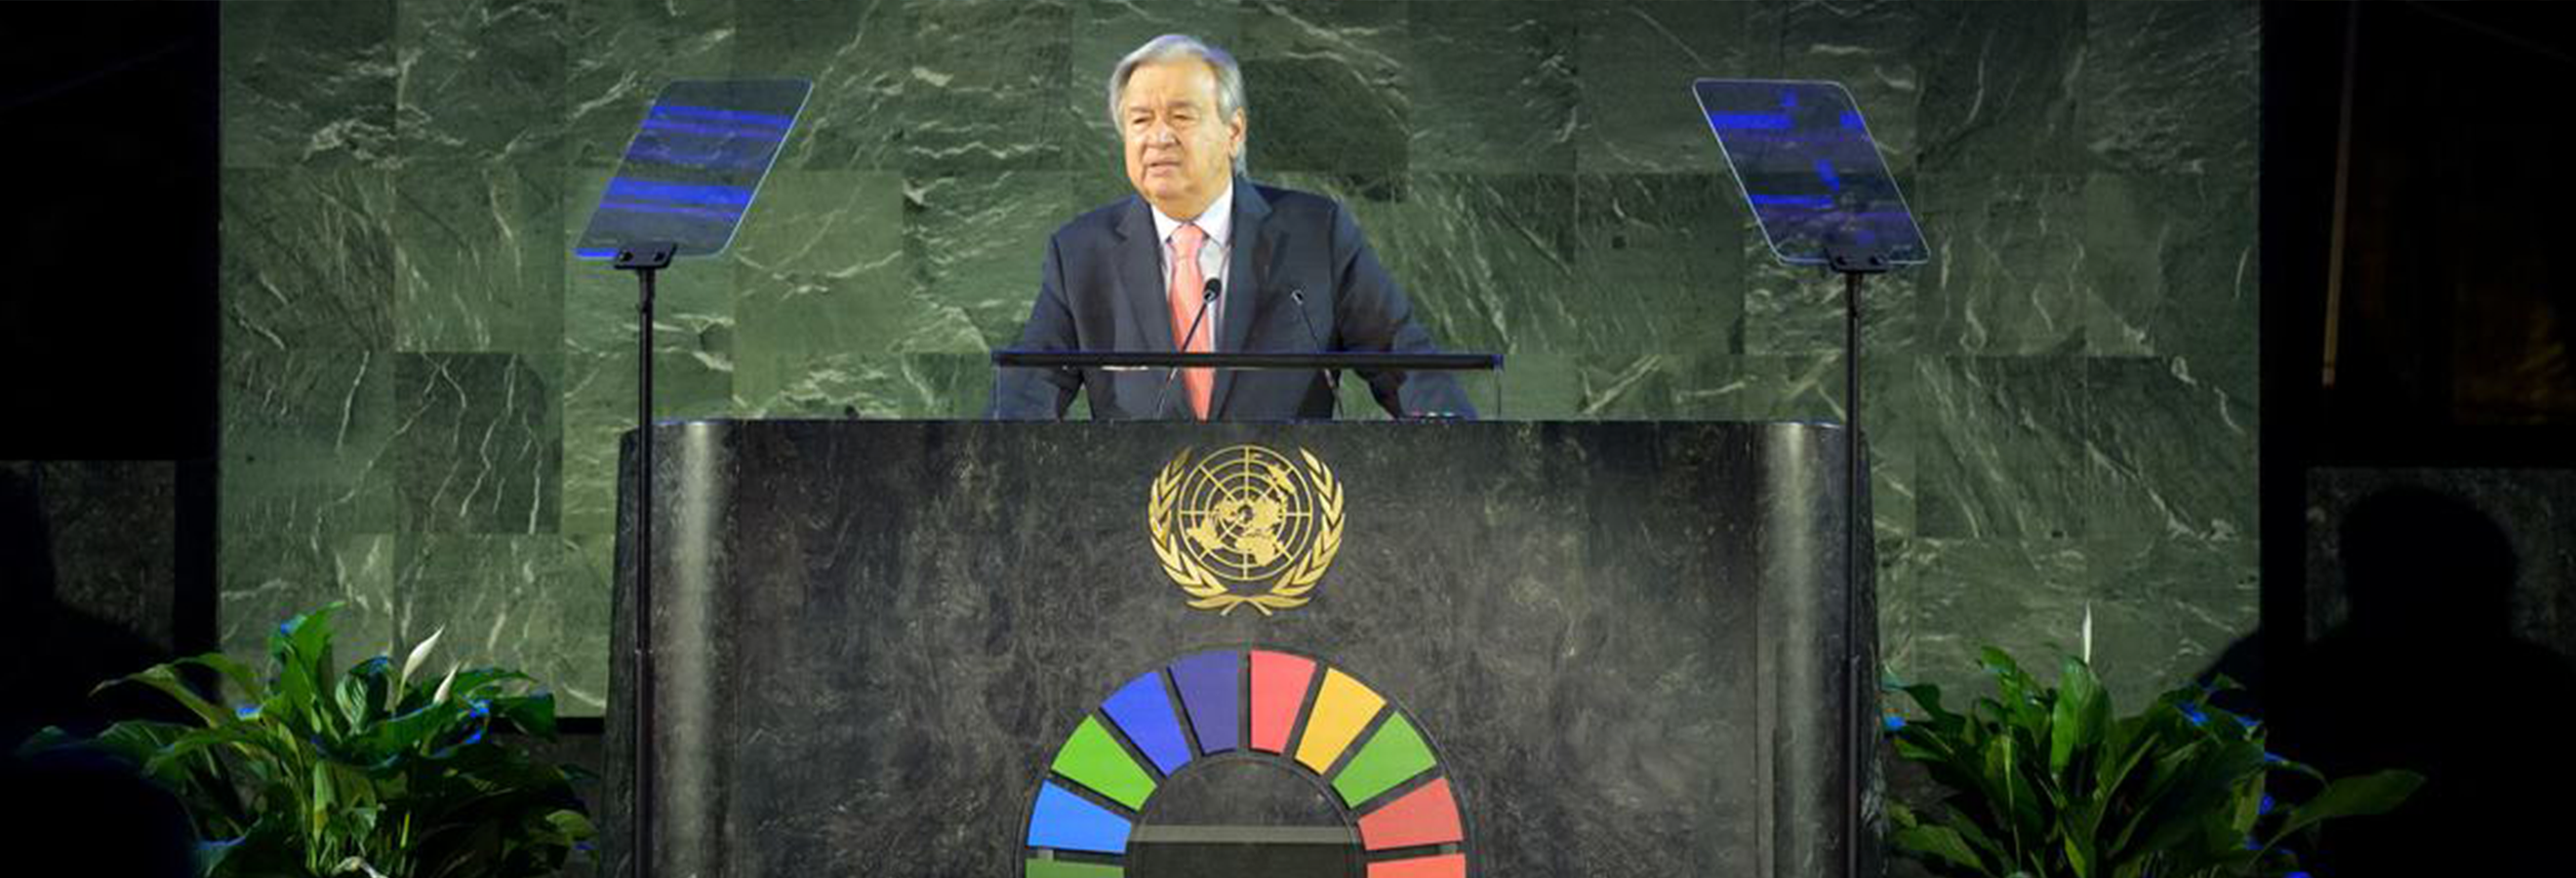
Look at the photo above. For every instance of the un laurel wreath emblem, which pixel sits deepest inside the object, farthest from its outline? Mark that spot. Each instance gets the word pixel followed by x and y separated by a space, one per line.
pixel 1245 518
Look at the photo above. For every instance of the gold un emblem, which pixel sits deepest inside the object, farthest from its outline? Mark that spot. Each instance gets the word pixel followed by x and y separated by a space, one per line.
pixel 1245 519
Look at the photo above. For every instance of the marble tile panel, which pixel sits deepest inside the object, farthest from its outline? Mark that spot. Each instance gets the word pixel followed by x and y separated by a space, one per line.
pixel 2173 455
pixel 2171 88
pixel 2007 274
pixel 477 444
pixel 2174 261
pixel 975 244
pixel 2003 451
pixel 479 257
pixel 985 76
pixel 820 266
pixel 1329 83
pixel 1659 267
pixel 853 53
pixel 308 259
pixel 1493 87
pixel 308 84
pixel 481 81
pixel 1943 600
pixel 316 416
pixel 619 56
pixel 867 384
pixel 1999 87
pixel 1634 65
pixel 531 603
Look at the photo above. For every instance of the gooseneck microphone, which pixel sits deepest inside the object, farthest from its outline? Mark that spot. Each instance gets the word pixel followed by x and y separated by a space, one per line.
pixel 1215 288
pixel 1332 377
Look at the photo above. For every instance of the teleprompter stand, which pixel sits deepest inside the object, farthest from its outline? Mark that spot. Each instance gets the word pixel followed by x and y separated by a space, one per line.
pixel 1823 197
pixel 690 174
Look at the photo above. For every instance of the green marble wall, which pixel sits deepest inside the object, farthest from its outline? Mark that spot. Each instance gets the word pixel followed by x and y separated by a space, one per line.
pixel 422 393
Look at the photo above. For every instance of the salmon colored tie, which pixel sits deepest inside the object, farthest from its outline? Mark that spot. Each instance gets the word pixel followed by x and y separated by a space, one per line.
pixel 1185 295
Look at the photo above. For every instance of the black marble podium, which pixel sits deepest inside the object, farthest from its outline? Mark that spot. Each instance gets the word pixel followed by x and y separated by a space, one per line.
pixel 1624 643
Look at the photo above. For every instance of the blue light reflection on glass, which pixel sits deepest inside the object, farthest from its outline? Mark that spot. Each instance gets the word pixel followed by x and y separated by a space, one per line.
pixel 708 213
pixel 710 114
pixel 684 193
pixel 1750 121
pixel 713 131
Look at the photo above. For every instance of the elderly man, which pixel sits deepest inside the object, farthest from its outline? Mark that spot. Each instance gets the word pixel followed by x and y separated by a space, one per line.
pixel 1295 274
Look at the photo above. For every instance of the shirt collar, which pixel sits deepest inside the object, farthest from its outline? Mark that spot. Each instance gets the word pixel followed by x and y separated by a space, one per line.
pixel 1217 220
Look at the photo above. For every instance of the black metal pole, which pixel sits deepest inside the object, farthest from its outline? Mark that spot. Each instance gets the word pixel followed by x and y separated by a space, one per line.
pixel 1855 530
pixel 640 824
pixel 647 261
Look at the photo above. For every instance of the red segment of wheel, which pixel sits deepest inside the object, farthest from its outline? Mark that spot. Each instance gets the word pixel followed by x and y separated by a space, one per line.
pixel 1425 816
pixel 1279 683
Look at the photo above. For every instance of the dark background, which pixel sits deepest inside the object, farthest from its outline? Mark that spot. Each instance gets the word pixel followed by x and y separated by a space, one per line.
pixel 2453 331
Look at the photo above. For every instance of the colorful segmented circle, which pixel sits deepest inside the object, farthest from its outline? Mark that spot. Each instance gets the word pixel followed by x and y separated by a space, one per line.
pixel 1254 703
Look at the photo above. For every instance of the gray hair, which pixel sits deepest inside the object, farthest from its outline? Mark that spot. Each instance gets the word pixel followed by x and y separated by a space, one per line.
pixel 1229 79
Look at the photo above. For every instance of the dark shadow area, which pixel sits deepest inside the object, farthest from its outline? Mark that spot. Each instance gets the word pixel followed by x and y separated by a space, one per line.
pixel 108 242
pixel 73 810
pixel 57 654
pixel 2425 674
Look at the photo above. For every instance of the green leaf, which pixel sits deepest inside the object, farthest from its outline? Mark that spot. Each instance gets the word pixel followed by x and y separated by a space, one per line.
pixel 1938 842
pixel 2079 856
pixel 2081 712
pixel 363 691
pixel 528 714
pixel 164 678
pixel 2352 797
pixel 301 649
pixel 245 684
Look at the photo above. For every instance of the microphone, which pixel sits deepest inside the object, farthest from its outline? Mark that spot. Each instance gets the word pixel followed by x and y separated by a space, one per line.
pixel 1207 297
pixel 1332 377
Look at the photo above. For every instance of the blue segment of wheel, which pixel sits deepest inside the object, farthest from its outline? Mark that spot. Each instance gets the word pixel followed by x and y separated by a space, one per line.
pixel 1144 711
pixel 1211 687
pixel 1064 821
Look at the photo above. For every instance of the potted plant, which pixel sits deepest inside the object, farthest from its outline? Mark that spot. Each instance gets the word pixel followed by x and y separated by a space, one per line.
pixel 2046 781
pixel 375 771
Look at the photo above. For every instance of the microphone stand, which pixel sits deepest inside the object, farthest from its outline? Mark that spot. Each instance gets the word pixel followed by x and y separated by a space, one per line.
pixel 1332 377
pixel 1207 297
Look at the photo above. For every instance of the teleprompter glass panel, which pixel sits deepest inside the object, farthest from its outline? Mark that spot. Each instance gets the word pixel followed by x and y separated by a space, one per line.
pixel 1809 170
pixel 694 166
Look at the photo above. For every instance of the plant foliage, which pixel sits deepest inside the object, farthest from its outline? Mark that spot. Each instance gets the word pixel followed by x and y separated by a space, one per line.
pixel 2045 782
pixel 365 772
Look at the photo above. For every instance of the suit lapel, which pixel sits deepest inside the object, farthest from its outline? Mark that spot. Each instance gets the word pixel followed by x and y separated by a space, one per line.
pixel 1140 280
pixel 1253 243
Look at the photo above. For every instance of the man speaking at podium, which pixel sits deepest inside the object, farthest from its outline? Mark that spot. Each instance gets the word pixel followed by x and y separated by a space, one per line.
pixel 1203 254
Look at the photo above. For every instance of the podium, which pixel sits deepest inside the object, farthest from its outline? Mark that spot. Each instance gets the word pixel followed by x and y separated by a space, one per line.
pixel 1146 648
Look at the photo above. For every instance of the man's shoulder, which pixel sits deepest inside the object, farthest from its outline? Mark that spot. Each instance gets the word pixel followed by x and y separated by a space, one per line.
pixel 1294 205
pixel 1097 221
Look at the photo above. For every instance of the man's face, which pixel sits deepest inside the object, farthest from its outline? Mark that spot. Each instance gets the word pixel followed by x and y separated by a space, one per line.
pixel 1180 155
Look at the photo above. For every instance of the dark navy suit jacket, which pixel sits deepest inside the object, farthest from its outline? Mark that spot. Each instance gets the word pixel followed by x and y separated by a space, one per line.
pixel 1102 289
